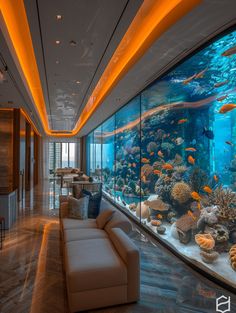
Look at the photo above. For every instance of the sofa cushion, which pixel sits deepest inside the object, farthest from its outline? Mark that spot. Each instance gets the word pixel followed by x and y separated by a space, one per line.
pixel 119 220
pixel 94 202
pixel 93 264
pixel 84 233
pixel 78 208
pixel 104 217
pixel 70 223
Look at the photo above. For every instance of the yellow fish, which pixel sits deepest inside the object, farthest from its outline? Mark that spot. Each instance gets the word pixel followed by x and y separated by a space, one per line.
pixel 195 195
pixel 207 189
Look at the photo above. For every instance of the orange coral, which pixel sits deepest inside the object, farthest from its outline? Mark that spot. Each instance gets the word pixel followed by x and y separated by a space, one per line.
pixel 232 257
pixel 205 241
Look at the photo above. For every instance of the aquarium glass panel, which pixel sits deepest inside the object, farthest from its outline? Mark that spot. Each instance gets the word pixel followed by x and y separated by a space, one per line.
pixel 89 153
pixel 108 156
pixel 175 148
pixel 127 147
pixel 98 153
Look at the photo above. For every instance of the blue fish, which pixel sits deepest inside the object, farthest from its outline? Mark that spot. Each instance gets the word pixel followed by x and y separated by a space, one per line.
pixel 208 133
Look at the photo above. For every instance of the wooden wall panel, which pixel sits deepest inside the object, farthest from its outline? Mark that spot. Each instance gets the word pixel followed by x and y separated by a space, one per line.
pixel 36 159
pixel 6 151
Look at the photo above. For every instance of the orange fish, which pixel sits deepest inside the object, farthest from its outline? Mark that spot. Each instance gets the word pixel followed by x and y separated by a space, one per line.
pixel 167 166
pixel 195 195
pixel 190 149
pixel 229 52
pixel 227 108
pixel 190 213
pixel 188 80
pixel 215 178
pixel 161 155
pixel 144 179
pixel 182 121
pixel 207 189
pixel 151 153
pixel 201 74
pixel 145 160
pixel 191 160
pixel 159 216
pixel 199 206
pixel 157 172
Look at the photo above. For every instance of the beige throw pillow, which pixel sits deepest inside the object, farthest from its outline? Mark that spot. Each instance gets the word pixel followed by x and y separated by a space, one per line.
pixel 78 208
pixel 104 217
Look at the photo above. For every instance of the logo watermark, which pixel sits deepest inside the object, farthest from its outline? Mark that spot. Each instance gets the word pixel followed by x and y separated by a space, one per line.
pixel 223 304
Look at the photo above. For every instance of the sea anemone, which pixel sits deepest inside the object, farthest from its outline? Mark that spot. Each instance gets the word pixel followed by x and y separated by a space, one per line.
pixel 181 192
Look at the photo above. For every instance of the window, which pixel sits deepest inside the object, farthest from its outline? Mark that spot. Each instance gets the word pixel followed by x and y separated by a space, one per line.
pixel 61 154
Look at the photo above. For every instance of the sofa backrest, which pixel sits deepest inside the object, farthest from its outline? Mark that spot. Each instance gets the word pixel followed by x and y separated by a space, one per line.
pixel 119 220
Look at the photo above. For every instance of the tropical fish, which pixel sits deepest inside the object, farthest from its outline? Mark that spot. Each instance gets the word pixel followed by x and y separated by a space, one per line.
pixel 179 141
pixel 159 216
pixel 188 80
pixel 201 74
pixel 229 52
pixel 190 213
pixel 191 160
pixel 221 83
pixel 157 172
pixel 167 166
pixel 195 195
pixel 229 143
pixel 145 160
pixel 207 189
pixel 199 206
pixel 222 98
pixel 161 155
pixel 182 121
pixel 227 108
pixel 215 177
pixel 208 133
pixel 151 153
pixel 190 149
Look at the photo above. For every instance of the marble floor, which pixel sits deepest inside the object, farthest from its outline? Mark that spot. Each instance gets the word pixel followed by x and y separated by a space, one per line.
pixel 31 273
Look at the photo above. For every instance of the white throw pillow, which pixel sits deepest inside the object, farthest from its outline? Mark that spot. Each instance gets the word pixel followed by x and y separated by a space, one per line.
pixel 78 208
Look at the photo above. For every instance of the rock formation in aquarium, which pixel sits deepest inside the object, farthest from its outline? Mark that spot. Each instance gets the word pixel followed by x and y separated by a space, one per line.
pixel 185 225
pixel 208 217
pixel 209 256
pixel 142 210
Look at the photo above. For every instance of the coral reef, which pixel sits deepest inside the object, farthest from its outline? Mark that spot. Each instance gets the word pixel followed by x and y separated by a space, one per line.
pixel 152 147
pixel 197 179
pixel 225 199
pixel 178 160
pixel 156 222
pixel 167 146
pixel 222 233
pixel 232 257
pixel 132 206
pixel 161 230
pixel 208 217
pixel 146 170
pixel 181 192
pixel 205 241
pixel 209 257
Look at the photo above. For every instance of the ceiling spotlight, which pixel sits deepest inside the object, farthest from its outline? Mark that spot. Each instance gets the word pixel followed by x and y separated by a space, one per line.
pixel 77 82
pixel 73 43
pixel 59 17
pixel 58 42
pixel 57 62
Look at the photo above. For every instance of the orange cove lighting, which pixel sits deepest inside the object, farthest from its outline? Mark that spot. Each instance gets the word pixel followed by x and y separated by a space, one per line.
pixel 152 19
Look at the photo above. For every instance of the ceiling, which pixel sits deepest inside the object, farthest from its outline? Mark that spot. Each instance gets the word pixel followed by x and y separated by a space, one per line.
pixel 89 33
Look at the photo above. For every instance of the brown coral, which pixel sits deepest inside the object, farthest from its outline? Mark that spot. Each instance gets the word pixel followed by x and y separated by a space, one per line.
pixel 209 257
pixel 187 222
pixel 181 192
pixel 157 205
pixel 232 257
pixel 225 199
pixel 205 241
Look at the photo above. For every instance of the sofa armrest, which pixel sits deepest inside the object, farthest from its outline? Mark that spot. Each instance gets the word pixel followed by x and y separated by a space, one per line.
pixel 63 210
pixel 130 255
pixel 119 220
pixel 63 199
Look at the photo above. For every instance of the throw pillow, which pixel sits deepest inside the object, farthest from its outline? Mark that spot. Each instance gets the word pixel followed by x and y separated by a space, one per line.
pixel 77 191
pixel 94 203
pixel 78 208
pixel 104 217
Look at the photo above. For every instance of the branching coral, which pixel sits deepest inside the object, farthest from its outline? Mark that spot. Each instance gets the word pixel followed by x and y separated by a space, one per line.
pixel 198 179
pixel 181 192
pixel 225 199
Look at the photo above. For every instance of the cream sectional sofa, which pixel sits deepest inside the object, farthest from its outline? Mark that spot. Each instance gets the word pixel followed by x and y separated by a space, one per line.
pixel 101 265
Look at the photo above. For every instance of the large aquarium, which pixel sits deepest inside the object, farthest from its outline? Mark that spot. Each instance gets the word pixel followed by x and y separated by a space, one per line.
pixel 168 158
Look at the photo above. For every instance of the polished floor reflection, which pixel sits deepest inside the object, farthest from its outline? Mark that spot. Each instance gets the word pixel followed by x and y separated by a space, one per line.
pixel 32 280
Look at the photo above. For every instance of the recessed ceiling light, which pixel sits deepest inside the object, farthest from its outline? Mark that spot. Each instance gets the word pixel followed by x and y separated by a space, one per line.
pixel 59 17
pixel 57 62
pixel 77 82
pixel 58 42
pixel 73 43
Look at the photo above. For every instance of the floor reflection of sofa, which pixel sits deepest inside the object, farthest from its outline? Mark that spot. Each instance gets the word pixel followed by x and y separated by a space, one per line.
pixel 101 265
